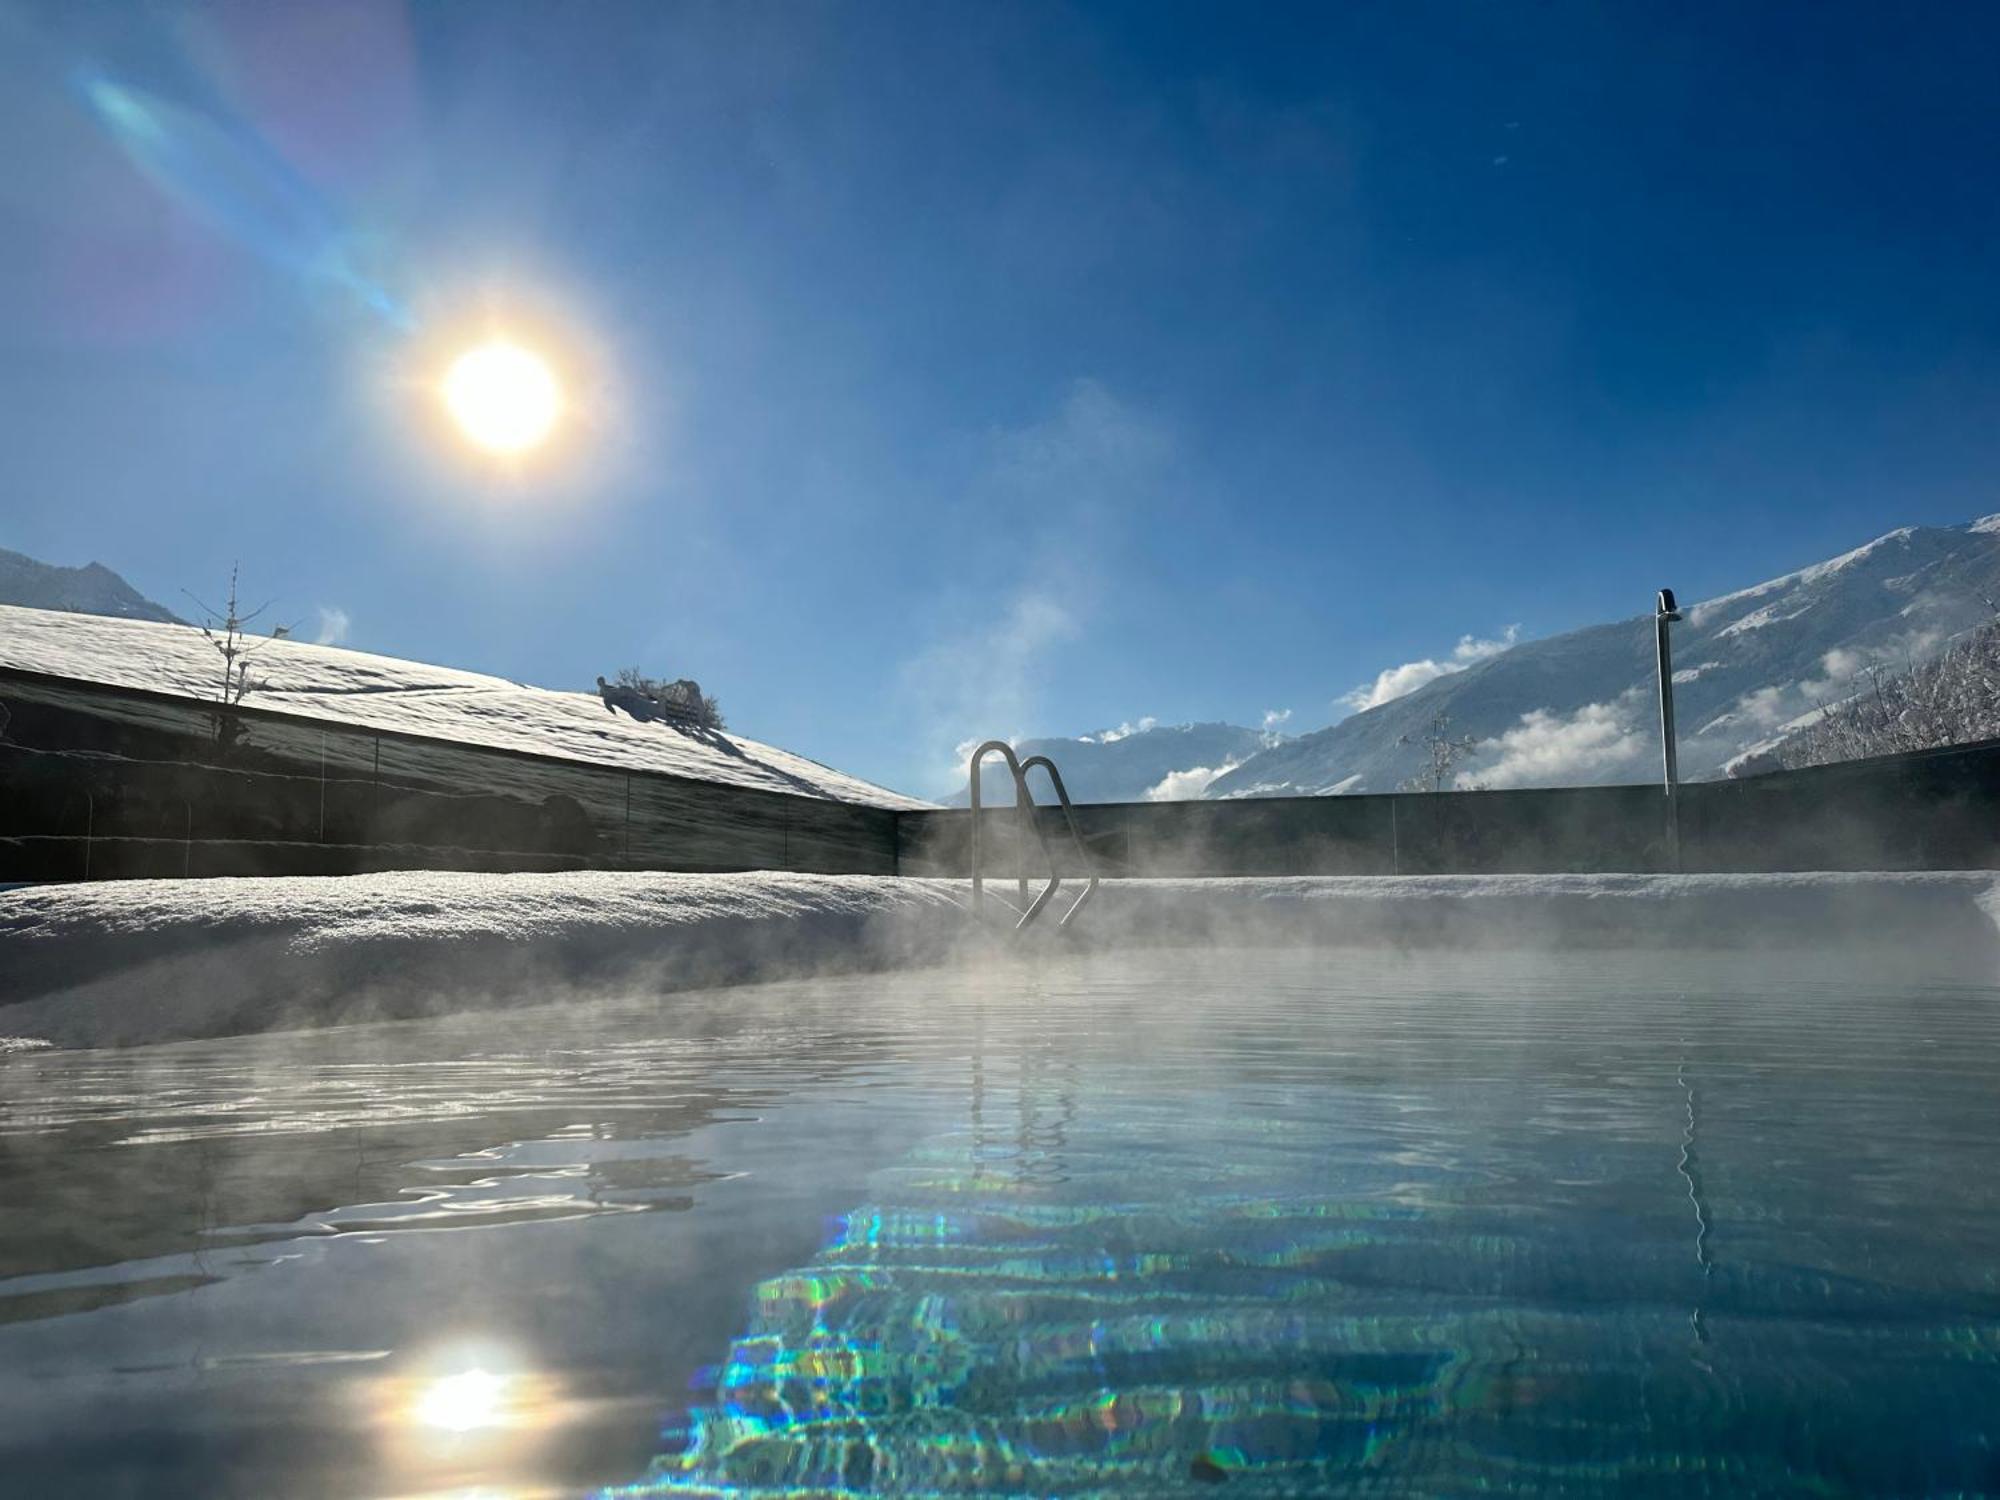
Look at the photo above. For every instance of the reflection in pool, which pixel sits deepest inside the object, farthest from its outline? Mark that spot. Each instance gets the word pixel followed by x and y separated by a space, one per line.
pixel 1281 1223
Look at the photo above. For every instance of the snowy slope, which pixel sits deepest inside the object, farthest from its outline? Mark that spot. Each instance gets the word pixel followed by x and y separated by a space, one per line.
pixel 1579 708
pixel 382 692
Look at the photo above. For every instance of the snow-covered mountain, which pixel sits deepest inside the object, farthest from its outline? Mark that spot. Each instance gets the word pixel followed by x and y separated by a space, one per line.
pixel 382 692
pixel 1580 708
pixel 92 589
pixel 1133 763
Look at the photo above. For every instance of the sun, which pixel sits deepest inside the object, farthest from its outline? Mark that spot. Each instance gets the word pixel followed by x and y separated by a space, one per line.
pixel 504 398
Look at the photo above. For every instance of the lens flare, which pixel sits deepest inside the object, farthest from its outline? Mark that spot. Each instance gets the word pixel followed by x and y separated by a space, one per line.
pixel 504 398
pixel 241 187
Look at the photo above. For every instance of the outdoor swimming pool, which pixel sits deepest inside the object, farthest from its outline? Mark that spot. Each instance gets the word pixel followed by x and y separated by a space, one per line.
pixel 1269 1222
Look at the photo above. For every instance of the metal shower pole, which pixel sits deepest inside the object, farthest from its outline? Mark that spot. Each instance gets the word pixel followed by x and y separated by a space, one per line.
pixel 1665 613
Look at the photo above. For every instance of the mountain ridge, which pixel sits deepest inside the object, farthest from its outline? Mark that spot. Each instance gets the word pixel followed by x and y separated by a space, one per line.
pixel 1579 708
pixel 1131 763
pixel 92 589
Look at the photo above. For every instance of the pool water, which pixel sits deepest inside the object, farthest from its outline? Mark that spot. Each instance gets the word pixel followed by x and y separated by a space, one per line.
pixel 1271 1223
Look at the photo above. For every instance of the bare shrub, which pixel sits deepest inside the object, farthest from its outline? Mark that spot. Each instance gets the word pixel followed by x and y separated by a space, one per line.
pixel 224 630
pixel 1951 699
pixel 681 700
pixel 1446 751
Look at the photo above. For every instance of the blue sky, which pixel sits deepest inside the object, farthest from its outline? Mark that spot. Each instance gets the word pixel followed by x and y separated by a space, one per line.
pixel 951 370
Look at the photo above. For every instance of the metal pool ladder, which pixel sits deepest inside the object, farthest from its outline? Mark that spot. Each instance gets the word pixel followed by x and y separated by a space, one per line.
pixel 1024 802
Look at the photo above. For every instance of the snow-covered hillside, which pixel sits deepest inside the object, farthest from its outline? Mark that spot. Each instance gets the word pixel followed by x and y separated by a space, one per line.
pixel 382 692
pixel 1579 708
pixel 1133 763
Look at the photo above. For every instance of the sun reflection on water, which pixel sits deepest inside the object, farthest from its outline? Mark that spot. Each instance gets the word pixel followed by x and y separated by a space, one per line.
pixel 463 1402
pixel 467 1418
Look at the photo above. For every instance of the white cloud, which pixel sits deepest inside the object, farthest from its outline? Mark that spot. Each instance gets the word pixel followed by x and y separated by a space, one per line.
pixel 1787 705
pixel 1123 732
pixel 1553 749
pixel 1392 683
pixel 1896 654
pixel 962 751
pixel 333 625
pixel 1188 785
pixel 1765 706
pixel 1275 720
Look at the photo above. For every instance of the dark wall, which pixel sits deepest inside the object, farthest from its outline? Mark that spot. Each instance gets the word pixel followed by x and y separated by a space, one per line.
pixel 1932 810
pixel 1929 810
pixel 100 782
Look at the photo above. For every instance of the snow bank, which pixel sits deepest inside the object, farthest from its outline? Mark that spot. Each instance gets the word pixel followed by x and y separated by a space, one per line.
pixel 125 962
pixel 1931 922
pixel 382 692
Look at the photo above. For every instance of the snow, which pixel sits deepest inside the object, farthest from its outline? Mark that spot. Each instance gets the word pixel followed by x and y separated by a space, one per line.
pixel 1951 919
pixel 1985 525
pixel 128 962
pixel 1124 731
pixel 1757 619
pixel 1265 789
pixel 383 692
pixel 1833 565
pixel 1187 785
pixel 1702 611
pixel 121 962
pixel 1754 758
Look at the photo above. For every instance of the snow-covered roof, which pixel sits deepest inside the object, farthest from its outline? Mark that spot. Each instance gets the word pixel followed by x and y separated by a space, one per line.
pixel 383 692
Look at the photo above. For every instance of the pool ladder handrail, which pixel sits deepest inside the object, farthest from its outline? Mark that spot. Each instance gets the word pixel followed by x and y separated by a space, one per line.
pixel 1024 802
